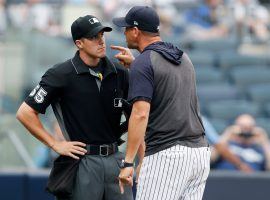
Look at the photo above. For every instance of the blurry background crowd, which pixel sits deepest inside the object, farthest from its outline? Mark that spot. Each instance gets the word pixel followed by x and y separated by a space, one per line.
pixel 227 41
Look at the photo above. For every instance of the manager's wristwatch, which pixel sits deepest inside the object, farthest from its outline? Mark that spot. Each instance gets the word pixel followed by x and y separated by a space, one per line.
pixel 125 164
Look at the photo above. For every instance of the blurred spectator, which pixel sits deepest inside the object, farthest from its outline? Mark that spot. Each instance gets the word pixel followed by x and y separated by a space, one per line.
pixel 77 1
pixel 91 2
pixel 170 19
pixel 117 8
pixel 247 141
pixel 34 15
pixel 251 18
pixel 110 8
pixel 221 148
pixel 206 21
pixel 3 17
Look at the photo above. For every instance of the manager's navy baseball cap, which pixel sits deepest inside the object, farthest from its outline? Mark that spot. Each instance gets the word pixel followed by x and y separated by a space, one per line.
pixel 143 17
pixel 87 27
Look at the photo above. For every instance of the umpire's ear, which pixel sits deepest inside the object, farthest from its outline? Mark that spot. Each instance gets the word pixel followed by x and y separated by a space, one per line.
pixel 78 43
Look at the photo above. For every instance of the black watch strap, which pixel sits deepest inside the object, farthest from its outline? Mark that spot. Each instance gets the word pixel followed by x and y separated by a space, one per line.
pixel 125 164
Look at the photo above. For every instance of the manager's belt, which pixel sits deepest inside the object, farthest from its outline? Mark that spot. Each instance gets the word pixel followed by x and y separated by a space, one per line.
pixel 102 150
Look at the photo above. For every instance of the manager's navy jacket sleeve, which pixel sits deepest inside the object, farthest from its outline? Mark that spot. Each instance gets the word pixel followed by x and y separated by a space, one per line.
pixel 45 92
pixel 141 79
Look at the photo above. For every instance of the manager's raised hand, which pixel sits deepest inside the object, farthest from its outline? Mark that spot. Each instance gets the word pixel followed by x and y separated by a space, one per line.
pixel 124 56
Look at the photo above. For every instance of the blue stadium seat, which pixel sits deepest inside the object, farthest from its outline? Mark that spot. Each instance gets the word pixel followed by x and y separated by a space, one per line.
pixel 174 38
pixel 226 61
pixel 217 91
pixel 219 124
pixel 230 109
pixel 244 77
pixel 209 74
pixel 267 109
pixel 248 67
pixel 214 45
pixel 264 123
pixel 259 93
pixel 199 58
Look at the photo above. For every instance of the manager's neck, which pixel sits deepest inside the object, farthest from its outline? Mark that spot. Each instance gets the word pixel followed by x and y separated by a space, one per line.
pixel 146 41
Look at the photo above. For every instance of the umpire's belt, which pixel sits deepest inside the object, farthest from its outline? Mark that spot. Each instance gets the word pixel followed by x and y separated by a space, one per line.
pixel 102 150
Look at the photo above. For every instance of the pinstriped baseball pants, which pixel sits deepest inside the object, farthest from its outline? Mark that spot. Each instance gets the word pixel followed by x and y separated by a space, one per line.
pixel 176 173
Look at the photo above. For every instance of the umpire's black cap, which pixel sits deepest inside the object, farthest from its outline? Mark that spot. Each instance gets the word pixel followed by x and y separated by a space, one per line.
pixel 143 17
pixel 87 27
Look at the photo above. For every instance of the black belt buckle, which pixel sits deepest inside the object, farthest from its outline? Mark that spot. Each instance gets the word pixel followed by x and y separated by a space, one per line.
pixel 102 148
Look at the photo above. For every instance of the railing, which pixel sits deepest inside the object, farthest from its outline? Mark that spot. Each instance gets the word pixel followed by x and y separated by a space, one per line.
pixel 19 147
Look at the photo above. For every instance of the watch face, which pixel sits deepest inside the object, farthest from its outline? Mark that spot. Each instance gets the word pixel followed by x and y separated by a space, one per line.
pixel 125 164
pixel 122 163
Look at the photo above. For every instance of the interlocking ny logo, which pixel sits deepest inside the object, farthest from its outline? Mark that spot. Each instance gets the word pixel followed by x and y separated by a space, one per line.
pixel 93 20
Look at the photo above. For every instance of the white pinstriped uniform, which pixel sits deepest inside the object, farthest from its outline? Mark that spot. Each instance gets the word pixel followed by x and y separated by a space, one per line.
pixel 176 173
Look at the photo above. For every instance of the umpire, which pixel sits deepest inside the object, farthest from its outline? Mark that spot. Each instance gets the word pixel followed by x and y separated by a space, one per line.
pixel 85 93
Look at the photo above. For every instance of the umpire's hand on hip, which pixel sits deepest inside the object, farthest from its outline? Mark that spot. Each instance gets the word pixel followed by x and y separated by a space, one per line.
pixel 125 178
pixel 70 149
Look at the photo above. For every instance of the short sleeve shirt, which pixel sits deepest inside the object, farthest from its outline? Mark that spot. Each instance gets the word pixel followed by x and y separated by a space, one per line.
pixel 171 90
pixel 85 111
pixel 46 91
pixel 141 79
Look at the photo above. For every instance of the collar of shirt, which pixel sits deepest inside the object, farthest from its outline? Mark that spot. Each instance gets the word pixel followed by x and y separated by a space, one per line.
pixel 81 68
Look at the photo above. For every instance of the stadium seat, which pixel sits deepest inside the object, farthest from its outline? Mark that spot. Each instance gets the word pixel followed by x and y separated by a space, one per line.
pixel 259 92
pixel 264 123
pixel 199 58
pixel 214 45
pixel 267 109
pixel 206 74
pixel 228 60
pixel 248 67
pixel 174 38
pixel 219 124
pixel 217 91
pixel 230 109
pixel 244 77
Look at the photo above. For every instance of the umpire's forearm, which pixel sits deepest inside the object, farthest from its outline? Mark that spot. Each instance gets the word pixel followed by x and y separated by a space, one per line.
pixel 29 118
pixel 136 129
